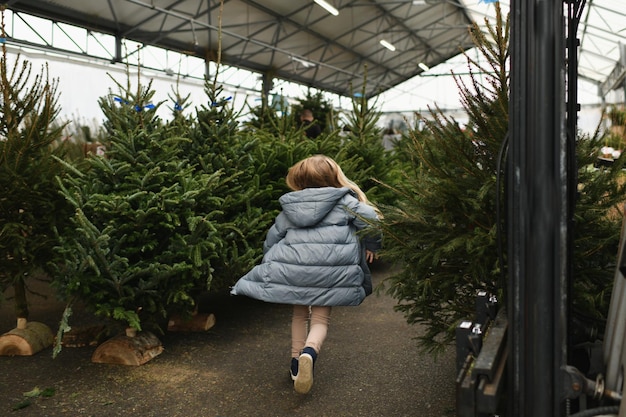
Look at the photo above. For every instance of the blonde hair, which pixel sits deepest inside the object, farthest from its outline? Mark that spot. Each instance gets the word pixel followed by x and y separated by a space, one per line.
pixel 320 171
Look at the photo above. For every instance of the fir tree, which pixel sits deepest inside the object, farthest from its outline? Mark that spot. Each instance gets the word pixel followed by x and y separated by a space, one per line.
pixel 180 123
pixel 30 204
pixel 598 215
pixel 360 152
pixel 362 155
pixel 443 228
pixel 141 247
pixel 218 147
pixel 277 120
pixel 321 108
pixel 443 232
pixel 281 119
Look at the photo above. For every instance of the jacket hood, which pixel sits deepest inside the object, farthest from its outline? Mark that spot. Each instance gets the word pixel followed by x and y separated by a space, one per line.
pixel 308 207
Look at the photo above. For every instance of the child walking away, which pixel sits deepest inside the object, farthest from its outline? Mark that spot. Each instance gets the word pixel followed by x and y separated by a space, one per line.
pixel 315 257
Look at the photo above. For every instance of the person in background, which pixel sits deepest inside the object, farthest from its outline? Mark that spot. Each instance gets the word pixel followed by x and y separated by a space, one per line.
pixel 311 128
pixel 316 256
pixel 390 137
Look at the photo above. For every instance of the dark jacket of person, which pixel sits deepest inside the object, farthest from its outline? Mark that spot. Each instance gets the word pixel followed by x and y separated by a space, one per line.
pixel 311 129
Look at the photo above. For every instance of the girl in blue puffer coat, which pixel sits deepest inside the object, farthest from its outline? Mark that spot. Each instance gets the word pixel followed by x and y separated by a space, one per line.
pixel 315 256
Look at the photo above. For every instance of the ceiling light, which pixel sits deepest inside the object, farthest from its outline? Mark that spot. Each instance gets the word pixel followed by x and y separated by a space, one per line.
pixel 305 64
pixel 330 9
pixel 387 45
pixel 423 66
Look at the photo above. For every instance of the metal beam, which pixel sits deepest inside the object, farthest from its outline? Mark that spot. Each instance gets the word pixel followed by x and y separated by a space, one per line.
pixel 537 209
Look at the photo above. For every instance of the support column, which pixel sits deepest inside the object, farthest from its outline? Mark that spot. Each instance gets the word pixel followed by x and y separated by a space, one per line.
pixel 268 84
pixel 537 209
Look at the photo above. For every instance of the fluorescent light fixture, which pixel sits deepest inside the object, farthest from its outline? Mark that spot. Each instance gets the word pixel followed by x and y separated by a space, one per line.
pixel 305 64
pixel 330 9
pixel 423 66
pixel 387 45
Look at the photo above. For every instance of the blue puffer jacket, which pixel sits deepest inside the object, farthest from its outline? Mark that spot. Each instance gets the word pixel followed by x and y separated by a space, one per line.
pixel 313 255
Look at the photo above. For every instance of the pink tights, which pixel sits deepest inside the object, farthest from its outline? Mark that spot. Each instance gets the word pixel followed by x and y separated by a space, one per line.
pixel 309 326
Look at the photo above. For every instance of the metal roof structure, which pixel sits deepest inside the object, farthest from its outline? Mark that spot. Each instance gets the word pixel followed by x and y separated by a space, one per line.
pixel 300 41
pixel 294 40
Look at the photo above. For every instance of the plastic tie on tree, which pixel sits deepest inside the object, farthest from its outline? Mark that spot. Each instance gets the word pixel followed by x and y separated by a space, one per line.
pixel 221 102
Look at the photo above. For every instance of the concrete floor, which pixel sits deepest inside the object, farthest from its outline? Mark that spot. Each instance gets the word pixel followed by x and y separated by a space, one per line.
pixel 369 366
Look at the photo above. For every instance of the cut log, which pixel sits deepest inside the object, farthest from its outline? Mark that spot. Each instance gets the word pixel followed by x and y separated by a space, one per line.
pixel 196 323
pixel 126 350
pixel 26 339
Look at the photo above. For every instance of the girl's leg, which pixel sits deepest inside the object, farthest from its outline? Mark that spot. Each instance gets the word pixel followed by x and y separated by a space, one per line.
pixel 299 323
pixel 320 319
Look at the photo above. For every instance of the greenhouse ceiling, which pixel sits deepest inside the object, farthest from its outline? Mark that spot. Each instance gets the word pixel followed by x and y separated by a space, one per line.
pixel 353 46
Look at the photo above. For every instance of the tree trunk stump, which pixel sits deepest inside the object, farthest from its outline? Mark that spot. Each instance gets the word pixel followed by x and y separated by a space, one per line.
pixel 26 339
pixel 128 350
pixel 196 323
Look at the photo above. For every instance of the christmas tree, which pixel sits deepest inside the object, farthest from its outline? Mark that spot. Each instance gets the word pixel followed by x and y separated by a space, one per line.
pixel 446 230
pixel 362 155
pixel 31 206
pixel 141 247
pixel 239 205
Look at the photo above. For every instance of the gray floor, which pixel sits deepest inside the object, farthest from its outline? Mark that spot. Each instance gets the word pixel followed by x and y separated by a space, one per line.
pixel 370 366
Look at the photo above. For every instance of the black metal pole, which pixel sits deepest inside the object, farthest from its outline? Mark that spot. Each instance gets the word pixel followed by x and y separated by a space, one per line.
pixel 574 13
pixel 537 213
